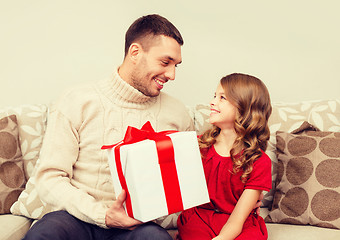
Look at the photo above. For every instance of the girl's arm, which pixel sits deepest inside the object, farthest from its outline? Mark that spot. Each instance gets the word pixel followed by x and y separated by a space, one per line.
pixel 244 206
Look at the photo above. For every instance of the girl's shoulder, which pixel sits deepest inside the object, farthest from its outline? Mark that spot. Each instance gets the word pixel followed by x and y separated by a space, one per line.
pixel 264 155
pixel 264 159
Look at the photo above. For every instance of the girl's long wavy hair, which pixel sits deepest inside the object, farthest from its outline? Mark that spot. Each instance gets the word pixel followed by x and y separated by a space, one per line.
pixel 251 98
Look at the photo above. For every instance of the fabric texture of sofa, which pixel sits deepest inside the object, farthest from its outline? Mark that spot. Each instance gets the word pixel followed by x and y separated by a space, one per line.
pixel 304 147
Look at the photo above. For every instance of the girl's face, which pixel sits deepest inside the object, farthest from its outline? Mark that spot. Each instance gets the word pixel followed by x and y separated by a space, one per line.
pixel 222 112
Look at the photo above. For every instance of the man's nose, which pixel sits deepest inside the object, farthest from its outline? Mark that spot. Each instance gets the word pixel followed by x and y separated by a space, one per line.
pixel 170 73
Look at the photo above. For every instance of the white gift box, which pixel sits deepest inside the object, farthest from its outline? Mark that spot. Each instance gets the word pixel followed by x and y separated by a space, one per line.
pixel 143 175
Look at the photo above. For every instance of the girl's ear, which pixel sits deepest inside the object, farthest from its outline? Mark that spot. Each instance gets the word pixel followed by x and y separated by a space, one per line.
pixel 135 50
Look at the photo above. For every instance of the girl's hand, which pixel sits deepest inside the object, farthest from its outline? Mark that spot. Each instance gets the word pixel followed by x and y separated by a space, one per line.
pixel 258 204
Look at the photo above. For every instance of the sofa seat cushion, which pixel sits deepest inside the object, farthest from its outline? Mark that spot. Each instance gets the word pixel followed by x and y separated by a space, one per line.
pixel 13 227
pixel 288 231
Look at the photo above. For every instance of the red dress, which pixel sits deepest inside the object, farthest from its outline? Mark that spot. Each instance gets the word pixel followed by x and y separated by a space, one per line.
pixel 225 188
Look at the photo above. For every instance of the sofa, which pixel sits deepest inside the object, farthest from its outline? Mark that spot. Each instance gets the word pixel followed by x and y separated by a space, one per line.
pixel 304 148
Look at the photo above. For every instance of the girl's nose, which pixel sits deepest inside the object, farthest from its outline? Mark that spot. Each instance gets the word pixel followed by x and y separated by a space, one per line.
pixel 212 102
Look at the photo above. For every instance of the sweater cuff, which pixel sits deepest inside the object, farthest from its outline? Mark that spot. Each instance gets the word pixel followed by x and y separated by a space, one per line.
pixel 100 220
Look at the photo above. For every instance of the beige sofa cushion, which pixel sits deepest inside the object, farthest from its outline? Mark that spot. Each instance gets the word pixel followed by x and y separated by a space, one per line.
pixel 301 232
pixel 325 115
pixel 13 227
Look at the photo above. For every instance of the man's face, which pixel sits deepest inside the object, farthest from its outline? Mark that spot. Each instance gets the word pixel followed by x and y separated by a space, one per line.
pixel 156 66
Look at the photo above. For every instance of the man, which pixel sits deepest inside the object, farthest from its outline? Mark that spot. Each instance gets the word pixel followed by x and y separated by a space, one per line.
pixel 73 175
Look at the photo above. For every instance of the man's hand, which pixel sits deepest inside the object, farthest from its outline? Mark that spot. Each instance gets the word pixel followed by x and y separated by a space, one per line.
pixel 116 216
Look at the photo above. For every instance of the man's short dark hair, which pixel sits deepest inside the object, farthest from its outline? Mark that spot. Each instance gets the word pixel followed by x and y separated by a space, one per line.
pixel 150 26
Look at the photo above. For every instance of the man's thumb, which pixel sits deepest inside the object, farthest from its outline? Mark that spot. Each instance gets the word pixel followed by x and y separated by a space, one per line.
pixel 121 197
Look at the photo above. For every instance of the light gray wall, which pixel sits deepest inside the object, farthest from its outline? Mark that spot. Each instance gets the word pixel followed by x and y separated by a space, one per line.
pixel 292 45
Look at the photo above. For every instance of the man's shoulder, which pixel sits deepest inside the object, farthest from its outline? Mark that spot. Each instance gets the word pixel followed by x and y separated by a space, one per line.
pixel 78 94
pixel 75 98
pixel 78 90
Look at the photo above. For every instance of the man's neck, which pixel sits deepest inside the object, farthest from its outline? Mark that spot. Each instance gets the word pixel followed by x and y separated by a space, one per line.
pixel 125 71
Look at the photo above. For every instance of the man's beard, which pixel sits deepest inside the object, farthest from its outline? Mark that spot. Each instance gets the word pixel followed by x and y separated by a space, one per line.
pixel 141 80
pixel 140 83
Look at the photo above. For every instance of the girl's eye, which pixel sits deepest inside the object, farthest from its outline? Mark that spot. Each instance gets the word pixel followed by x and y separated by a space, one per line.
pixel 223 98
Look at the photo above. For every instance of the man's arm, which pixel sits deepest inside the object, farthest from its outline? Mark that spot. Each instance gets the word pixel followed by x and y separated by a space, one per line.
pixel 59 154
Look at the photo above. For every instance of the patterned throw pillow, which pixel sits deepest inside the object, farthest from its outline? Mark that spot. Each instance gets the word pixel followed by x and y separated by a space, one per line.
pixel 285 117
pixel 12 177
pixel 32 120
pixel 29 203
pixel 308 179
pixel 32 124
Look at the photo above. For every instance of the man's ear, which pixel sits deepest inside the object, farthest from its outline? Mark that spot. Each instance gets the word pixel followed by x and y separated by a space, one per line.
pixel 135 50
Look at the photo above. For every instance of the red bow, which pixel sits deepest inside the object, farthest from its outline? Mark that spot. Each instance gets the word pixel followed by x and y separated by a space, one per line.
pixel 166 158
pixel 134 135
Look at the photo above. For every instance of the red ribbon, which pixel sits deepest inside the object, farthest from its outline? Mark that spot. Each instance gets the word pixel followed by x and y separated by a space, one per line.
pixel 166 159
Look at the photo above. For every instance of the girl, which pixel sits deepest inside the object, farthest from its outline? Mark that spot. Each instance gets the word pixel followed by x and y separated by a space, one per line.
pixel 235 165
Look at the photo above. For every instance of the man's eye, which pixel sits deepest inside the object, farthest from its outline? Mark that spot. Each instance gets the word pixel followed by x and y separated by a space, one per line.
pixel 165 62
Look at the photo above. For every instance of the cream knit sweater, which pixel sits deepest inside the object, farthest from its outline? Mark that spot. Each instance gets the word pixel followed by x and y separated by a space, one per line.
pixel 73 173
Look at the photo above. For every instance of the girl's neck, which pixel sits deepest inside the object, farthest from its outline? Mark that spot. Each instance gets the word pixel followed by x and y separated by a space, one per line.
pixel 224 142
